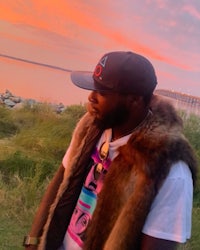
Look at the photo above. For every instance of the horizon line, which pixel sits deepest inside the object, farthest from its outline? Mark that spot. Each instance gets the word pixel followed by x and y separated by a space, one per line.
pixel 35 63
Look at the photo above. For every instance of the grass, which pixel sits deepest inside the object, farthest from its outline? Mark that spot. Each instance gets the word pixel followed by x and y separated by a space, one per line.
pixel 19 201
pixel 31 148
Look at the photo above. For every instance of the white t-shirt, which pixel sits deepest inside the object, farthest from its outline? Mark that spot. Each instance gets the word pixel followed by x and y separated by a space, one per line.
pixel 170 214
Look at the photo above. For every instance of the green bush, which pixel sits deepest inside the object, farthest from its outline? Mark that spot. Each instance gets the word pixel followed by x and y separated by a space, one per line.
pixel 45 132
pixel 32 115
pixel 17 163
pixel 7 126
pixel 26 167
pixel 192 133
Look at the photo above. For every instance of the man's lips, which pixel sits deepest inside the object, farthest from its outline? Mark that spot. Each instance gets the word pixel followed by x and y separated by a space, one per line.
pixel 92 109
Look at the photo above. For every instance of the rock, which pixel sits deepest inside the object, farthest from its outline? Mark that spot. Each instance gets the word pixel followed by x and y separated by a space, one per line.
pixel 15 99
pixel 9 103
pixel 18 105
pixel 9 100
pixel 7 94
pixel 60 108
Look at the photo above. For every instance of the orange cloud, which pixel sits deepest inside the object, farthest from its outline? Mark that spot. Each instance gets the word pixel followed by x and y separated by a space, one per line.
pixel 70 19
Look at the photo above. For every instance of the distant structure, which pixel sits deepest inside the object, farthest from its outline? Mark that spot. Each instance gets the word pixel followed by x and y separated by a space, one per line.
pixel 189 103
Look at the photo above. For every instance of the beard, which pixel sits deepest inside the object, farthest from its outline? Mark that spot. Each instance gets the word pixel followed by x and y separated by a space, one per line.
pixel 113 118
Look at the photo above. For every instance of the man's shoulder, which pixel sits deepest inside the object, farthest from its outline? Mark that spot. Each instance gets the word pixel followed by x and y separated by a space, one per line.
pixel 179 170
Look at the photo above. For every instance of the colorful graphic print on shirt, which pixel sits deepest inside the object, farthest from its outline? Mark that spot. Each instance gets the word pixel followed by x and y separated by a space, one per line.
pixel 87 199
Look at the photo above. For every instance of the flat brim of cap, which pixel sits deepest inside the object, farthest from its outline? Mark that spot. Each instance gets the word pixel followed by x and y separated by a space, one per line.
pixel 83 79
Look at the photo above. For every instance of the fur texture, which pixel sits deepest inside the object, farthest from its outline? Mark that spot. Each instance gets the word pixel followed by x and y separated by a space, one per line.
pixel 133 179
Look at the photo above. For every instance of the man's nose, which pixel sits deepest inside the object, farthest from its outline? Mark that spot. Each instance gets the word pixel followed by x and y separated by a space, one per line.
pixel 92 97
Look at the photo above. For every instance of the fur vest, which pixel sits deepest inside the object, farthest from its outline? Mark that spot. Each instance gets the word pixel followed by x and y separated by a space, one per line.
pixel 133 180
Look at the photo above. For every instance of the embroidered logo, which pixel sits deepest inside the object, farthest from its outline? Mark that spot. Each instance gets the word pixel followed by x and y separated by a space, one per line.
pixel 103 61
pixel 100 66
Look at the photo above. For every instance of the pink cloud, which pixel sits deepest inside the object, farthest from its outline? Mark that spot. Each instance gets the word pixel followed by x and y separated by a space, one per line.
pixel 192 11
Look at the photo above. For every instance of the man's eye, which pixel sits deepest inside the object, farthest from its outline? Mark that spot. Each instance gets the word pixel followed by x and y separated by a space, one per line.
pixel 103 93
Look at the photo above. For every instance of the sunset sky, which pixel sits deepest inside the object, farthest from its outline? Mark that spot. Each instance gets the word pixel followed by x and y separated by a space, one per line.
pixel 42 41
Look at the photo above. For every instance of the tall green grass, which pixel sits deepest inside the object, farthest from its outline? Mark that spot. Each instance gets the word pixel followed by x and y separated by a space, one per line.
pixel 7 127
pixel 33 141
pixel 192 133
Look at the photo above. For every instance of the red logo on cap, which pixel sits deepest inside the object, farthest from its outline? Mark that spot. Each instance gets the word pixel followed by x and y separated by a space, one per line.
pixel 98 70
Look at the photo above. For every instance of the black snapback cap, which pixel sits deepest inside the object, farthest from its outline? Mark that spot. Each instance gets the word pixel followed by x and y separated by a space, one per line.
pixel 119 71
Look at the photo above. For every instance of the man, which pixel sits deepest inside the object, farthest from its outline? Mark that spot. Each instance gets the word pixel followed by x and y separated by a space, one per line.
pixel 126 181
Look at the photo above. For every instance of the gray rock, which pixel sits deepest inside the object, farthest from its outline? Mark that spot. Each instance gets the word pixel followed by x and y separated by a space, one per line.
pixel 9 100
pixel 15 99
pixel 9 103
pixel 7 94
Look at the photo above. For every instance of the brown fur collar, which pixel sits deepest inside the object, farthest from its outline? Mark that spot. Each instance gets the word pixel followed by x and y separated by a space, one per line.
pixel 133 179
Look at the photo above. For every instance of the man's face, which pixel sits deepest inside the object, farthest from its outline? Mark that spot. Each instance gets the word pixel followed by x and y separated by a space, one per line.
pixel 109 109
